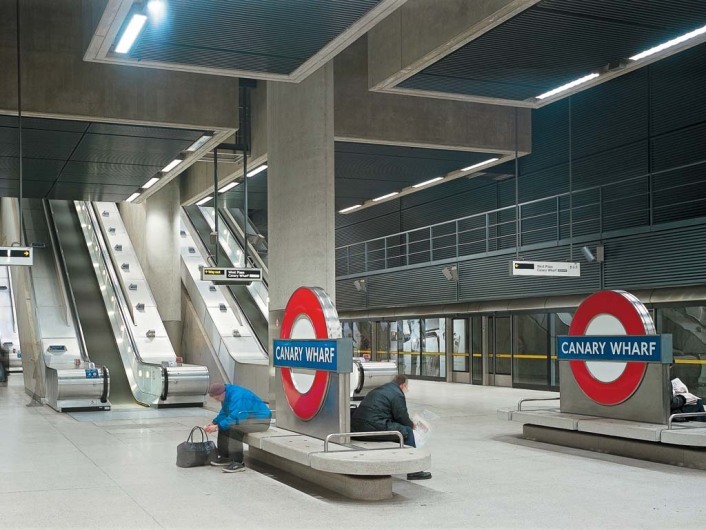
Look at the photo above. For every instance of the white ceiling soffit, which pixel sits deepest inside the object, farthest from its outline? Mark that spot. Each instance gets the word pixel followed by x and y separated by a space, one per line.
pixel 116 11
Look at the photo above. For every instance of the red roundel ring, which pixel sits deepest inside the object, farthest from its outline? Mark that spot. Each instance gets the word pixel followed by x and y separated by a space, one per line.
pixel 305 301
pixel 624 307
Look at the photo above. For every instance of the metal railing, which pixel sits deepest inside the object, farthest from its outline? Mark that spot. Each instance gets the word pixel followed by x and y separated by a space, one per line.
pixel 519 403
pixel 629 203
pixel 359 434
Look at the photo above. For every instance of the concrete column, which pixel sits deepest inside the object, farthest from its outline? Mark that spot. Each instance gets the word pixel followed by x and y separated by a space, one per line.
pixel 153 227
pixel 300 189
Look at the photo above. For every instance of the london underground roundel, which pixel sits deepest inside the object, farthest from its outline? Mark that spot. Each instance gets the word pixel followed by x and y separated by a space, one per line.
pixel 610 313
pixel 308 307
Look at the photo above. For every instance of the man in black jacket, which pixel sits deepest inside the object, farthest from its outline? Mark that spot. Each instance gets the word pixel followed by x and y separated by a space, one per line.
pixel 385 409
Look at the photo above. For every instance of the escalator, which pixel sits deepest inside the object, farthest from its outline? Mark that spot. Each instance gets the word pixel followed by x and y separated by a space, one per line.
pixel 98 334
pixel 252 300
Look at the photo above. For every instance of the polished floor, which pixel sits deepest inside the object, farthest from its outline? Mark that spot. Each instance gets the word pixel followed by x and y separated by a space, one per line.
pixel 116 470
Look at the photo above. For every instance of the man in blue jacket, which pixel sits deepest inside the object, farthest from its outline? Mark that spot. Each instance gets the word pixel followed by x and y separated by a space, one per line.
pixel 241 411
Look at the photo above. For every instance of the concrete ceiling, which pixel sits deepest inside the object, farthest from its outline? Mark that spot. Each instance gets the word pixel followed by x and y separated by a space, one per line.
pixel 492 51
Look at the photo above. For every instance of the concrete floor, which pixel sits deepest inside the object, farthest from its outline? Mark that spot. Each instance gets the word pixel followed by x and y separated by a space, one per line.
pixel 116 470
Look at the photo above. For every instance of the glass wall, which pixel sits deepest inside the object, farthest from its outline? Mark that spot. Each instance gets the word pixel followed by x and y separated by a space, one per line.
pixel 531 362
pixel 476 349
pixel 434 348
pixel 410 351
pixel 460 352
pixel 362 339
pixel 687 325
pixel 383 341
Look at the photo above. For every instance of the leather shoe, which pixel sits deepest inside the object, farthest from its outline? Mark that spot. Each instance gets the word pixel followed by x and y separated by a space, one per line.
pixel 419 475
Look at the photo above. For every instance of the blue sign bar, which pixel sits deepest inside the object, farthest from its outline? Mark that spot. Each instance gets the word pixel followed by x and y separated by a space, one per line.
pixel 636 348
pixel 329 355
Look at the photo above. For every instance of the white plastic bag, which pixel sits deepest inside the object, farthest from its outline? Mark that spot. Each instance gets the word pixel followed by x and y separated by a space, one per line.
pixel 422 429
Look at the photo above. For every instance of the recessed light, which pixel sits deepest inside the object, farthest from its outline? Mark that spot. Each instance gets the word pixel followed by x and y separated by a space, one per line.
pixel 174 163
pixel 132 197
pixel 427 182
pixel 203 201
pixel 134 27
pixel 199 143
pixel 228 187
pixel 567 86
pixel 386 196
pixel 151 182
pixel 350 208
pixel 479 164
pixel 669 44
pixel 260 169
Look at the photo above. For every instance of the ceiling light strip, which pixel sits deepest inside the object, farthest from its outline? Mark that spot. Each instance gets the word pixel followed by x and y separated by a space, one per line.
pixel 567 86
pixel 174 163
pixel 132 197
pixel 260 169
pixel 204 201
pixel 427 182
pixel 134 27
pixel 151 182
pixel 228 187
pixel 387 196
pixel 479 164
pixel 350 208
pixel 199 143
pixel 669 44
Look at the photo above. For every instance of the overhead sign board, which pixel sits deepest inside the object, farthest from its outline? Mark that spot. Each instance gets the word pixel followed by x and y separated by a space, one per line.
pixel 230 275
pixel 545 268
pixel 16 255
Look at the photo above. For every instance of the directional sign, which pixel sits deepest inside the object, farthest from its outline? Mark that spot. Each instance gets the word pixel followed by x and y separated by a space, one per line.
pixel 16 255
pixel 230 275
pixel 545 268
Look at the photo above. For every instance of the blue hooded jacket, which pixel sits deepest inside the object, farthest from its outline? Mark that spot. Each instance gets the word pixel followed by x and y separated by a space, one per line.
pixel 239 404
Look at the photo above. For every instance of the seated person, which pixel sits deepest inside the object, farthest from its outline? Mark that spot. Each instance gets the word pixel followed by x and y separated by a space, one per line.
pixel 685 401
pixel 385 409
pixel 241 411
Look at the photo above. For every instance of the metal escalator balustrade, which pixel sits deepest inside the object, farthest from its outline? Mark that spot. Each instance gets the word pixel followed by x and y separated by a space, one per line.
pixel 252 300
pixel 156 377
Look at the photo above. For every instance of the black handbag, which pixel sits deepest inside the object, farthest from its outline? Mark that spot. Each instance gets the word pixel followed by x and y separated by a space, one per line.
pixel 194 454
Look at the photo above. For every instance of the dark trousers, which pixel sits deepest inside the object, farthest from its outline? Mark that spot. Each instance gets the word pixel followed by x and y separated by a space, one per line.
pixel 230 444
pixel 407 434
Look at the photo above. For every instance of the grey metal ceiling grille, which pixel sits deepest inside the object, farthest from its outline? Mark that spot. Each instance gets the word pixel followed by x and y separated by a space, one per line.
pixel 275 36
pixel 84 160
pixel 556 42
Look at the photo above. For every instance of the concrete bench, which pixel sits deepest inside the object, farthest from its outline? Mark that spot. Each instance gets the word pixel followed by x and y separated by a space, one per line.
pixel 683 444
pixel 359 470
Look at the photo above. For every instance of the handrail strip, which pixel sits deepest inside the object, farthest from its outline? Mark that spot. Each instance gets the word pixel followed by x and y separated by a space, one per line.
pixel 683 415
pixel 519 404
pixel 357 434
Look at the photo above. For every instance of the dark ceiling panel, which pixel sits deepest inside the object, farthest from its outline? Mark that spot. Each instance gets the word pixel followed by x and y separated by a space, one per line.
pixel 32 169
pixel 275 36
pixel 128 150
pixel 127 175
pixel 144 132
pixel 556 42
pixel 110 161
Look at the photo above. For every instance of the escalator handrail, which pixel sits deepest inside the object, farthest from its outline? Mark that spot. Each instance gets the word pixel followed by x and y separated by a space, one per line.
pixel 114 283
pixel 106 379
pixel 13 309
pixel 237 231
pixel 65 285
pixel 165 386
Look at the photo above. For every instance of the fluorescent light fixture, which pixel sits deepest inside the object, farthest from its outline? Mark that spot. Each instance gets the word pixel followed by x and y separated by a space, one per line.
pixel 157 9
pixel 567 86
pixel 386 196
pixel 133 29
pixel 151 182
pixel 669 44
pixel 199 143
pixel 479 164
pixel 174 163
pixel 228 187
pixel 427 182
pixel 132 197
pixel 203 201
pixel 260 169
pixel 350 208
